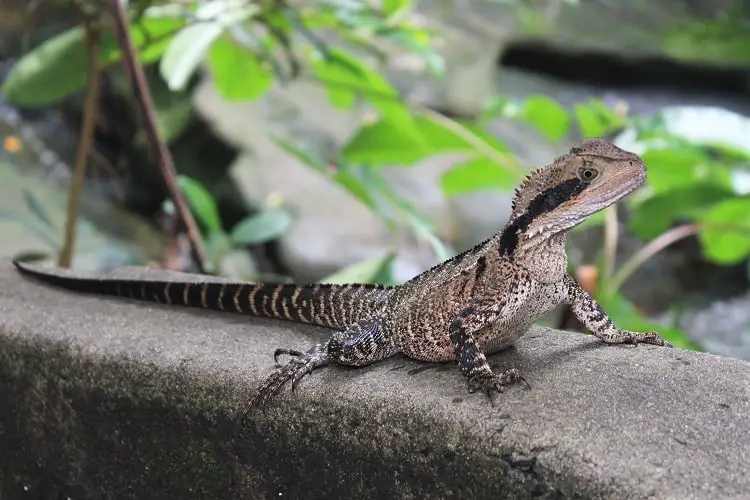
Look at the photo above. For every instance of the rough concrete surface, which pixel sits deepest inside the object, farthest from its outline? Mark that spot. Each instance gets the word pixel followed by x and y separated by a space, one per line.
pixel 111 398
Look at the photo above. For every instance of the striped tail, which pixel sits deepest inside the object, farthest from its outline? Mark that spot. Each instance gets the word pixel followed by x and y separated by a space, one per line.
pixel 332 306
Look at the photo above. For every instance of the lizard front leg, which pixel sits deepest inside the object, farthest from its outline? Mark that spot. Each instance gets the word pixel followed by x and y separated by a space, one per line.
pixel 360 345
pixel 471 360
pixel 592 316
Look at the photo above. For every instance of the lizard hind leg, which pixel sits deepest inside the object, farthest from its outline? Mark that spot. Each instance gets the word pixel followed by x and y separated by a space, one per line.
pixel 363 343
pixel 471 360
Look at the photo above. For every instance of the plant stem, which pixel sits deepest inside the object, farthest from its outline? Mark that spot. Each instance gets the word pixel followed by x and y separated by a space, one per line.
pixel 660 243
pixel 148 117
pixel 611 228
pixel 90 111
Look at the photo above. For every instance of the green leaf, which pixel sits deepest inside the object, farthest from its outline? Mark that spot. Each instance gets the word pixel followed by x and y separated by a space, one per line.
pixel 658 213
pixel 626 317
pixel 672 168
pixel 304 156
pixel 173 115
pixel 376 270
pixel 226 12
pixel 728 245
pixel 595 119
pixel 238 75
pixel 495 107
pixel 350 178
pixel 201 202
pixel 186 51
pixel 217 245
pixel 347 176
pixel 729 153
pixel 358 19
pixel 37 208
pixel 261 227
pixel 547 116
pixel 423 227
pixel 340 80
pixel 476 174
pixel 59 66
pixel 380 143
pixel 410 39
pixel 391 7
pixel 31 256
pixel 151 37
pixel 345 77
pixel 53 70
pixel 438 247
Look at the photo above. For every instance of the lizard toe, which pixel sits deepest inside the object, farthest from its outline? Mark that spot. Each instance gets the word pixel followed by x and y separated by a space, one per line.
pixel 654 338
pixel 286 351
pixel 306 364
pixel 300 365
pixel 494 383
pixel 635 338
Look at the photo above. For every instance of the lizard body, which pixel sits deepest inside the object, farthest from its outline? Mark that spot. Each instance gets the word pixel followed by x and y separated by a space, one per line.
pixel 474 304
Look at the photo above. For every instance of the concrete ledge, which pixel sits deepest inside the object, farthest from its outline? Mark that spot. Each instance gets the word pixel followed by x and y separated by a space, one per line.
pixel 110 398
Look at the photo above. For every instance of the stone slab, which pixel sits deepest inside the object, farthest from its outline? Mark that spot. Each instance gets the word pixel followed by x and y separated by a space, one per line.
pixel 110 398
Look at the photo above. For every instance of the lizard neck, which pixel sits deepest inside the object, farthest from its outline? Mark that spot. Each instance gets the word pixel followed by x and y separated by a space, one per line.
pixel 544 257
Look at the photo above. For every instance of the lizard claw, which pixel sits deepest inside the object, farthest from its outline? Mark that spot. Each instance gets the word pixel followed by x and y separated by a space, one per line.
pixel 281 351
pixel 652 338
pixel 493 383
pixel 300 365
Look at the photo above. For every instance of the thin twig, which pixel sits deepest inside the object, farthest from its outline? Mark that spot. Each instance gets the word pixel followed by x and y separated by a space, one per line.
pixel 611 229
pixel 158 147
pixel 90 111
pixel 656 245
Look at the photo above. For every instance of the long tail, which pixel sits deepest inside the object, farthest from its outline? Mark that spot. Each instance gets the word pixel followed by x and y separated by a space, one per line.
pixel 332 306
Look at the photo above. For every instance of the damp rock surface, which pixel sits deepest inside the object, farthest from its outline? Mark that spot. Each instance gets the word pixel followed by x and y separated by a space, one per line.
pixel 112 398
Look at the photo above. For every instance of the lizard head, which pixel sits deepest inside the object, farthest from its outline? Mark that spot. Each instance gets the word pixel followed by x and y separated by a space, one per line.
pixel 552 199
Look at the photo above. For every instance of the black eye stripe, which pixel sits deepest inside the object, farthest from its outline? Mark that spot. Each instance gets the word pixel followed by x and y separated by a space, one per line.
pixel 544 202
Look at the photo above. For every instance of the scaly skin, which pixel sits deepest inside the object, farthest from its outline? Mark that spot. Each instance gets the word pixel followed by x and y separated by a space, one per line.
pixel 475 304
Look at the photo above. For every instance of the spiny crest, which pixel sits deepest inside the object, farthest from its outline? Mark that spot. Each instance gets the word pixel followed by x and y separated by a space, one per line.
pixel 539 180
pixel 524 186
pixel 596 146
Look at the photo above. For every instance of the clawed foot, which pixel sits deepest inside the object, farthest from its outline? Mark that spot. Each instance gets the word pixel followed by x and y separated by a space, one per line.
pixel 300 365
pixel 492 383
pixel 652 338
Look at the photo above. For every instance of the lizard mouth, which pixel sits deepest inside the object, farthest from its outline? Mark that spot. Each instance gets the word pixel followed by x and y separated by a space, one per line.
pixel 582 206
pixel 603 196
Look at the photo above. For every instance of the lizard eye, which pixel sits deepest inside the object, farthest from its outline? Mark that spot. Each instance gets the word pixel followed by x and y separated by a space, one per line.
pixel 589 174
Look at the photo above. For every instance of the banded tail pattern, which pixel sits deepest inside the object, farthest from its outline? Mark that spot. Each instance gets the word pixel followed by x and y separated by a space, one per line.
pixel 332 306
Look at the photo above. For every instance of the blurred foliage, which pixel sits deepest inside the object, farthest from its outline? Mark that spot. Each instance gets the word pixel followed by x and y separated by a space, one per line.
pixel 692 182
pixel 261 227
pixel 36 221
pixel 248 47
pixel 725 39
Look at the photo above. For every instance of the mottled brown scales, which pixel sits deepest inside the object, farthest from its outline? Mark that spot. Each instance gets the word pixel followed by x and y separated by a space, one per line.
pixel 474 304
